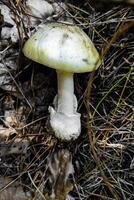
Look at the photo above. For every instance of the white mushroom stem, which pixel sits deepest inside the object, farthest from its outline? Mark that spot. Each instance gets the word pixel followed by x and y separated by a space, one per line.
pixel 65 92
pixel 64 118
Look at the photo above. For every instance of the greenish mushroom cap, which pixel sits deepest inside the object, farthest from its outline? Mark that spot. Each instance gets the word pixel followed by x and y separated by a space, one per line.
pixel 62 47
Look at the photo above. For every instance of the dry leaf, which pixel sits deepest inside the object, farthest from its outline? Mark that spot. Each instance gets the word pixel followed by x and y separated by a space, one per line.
pixel 10 190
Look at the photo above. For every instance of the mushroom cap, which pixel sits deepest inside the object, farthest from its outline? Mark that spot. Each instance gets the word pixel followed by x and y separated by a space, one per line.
pixel 62 47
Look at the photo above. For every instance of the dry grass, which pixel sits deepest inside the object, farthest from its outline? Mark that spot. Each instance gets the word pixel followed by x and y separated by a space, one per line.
pixel 103 156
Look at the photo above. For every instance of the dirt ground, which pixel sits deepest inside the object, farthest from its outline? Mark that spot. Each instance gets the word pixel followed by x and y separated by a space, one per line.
pixel 34 164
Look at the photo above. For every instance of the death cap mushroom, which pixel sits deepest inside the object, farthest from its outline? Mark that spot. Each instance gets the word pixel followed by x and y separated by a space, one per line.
pixel 69 50
pixel 62 47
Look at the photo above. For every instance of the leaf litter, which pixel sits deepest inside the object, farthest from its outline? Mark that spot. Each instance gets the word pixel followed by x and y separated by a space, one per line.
pixel 100 161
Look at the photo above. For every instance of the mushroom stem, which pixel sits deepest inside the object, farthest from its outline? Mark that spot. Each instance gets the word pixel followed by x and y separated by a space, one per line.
pixel 64 118
pixel 65 92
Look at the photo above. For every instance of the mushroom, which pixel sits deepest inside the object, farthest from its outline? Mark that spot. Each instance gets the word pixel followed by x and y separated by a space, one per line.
pixel 69 50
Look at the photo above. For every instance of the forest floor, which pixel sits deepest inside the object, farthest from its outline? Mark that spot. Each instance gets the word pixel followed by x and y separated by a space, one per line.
pixel 100 163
